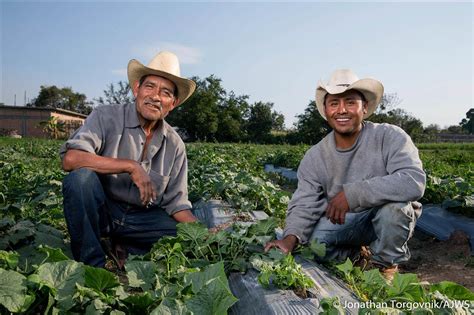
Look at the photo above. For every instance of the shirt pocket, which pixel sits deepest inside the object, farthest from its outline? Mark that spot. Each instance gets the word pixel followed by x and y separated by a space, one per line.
pixel 161 183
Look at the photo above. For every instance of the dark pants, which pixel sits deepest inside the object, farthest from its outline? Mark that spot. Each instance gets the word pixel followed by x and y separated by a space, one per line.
pixel 90 215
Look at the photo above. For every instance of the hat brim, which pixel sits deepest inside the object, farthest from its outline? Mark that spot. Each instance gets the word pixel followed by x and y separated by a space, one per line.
pixel 136 71
pixel 370 88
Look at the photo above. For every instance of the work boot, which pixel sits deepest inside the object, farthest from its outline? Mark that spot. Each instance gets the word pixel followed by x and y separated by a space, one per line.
pixel 365 262
pixel 363 259
pixel 115 251
pixel 389 272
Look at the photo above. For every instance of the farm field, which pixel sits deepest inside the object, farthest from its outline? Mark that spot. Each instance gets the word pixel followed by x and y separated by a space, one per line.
pixel 187 273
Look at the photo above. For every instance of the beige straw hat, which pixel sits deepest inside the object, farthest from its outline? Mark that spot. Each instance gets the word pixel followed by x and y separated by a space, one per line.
pixel 165 64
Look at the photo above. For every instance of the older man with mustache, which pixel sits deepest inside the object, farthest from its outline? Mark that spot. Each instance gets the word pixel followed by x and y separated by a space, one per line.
pixel 128 168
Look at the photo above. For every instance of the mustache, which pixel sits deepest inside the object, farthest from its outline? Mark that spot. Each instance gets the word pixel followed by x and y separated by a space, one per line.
pixel 154 104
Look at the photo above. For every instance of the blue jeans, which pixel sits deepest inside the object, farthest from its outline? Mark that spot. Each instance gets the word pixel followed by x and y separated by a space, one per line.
pixel 91 215
pixel 385 229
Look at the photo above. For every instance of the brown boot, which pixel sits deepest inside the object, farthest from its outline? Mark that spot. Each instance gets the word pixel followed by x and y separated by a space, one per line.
pixel 389 272
pixel 363 259
pixel 115 251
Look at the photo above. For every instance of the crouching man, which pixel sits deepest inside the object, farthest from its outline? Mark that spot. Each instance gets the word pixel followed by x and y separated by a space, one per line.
pixel 359 185
pixel 128 168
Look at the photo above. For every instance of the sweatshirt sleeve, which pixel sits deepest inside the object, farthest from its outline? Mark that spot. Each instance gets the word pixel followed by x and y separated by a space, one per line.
pixel 308 202
pixel 405 179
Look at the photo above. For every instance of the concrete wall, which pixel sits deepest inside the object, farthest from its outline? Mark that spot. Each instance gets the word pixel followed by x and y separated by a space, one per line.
pixel 26 120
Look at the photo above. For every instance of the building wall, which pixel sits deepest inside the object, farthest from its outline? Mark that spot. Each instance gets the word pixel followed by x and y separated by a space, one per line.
pixel 27 121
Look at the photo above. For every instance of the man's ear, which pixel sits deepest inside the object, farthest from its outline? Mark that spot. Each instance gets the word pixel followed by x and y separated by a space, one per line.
pixel 135 87
pixel 366 106
pixel 175 104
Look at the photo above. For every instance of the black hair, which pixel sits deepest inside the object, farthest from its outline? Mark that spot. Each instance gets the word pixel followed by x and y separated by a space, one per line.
pixel 353 90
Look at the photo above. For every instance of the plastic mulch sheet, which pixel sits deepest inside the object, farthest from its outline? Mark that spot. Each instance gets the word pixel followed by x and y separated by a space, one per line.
pixel 440 223
pixel 254 299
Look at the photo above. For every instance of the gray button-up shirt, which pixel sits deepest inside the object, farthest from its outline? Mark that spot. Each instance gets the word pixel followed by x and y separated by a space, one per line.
pixel 114 131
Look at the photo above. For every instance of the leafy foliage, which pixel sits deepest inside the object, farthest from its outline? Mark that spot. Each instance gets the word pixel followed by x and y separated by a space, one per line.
pixel 65 98
pixel 404 291
pixel 43 279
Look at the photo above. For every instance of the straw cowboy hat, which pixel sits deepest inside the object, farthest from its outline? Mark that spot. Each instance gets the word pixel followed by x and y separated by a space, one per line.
pixel 165 64
pixel 343 80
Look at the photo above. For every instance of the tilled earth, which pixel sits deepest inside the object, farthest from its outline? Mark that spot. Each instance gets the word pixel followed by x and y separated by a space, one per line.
pixel 435 261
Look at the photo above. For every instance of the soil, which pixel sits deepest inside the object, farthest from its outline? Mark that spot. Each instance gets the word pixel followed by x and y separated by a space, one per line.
pixel 435 261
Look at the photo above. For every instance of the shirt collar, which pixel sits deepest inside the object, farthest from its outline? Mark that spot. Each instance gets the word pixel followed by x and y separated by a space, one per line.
pixel 131 120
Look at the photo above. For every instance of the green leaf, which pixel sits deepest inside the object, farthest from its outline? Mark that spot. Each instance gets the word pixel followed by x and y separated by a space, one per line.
pixel 170 307
pixel 406 285
pixel 9 259
pixel 331 306
pixel 47 235
pixel 100 279
pixel 96 307
pixel 373 282
pixel 346 267
pixel 453 290
pixel 20 231
pixel 61 277
pixel 13 291
pixel 221 237
pixel 213 298
pixel 141 274
pixel 276 254
pixel 6 223
pixel 200 278
pixel 52 254
pixel 194 231
pixel 139 303
pixel 264 239
pixel 318 248
pixel 263 227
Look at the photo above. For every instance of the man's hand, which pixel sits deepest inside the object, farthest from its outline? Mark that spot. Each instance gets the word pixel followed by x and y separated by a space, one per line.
pixel 143 181
pixel 337 209
pixel 285 245
pixel 184 216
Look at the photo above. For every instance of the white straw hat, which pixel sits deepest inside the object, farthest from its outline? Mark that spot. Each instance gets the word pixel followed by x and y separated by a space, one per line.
pixel 343 80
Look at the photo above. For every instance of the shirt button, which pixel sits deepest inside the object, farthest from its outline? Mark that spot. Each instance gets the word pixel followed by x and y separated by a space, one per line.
pixel 141 143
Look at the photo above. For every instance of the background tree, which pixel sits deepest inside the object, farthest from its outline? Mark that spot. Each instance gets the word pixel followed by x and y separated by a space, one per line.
pixel 454 129
pixel 232 113
pixel 430 133
pixel 387 112
pixel 65 98
pixel 260 122
pixel 199 115
pixel 121 93
pixel 311 127
pixel 278 121
pixel 467 123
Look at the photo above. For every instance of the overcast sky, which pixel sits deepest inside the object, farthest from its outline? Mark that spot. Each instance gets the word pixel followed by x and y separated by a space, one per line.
pixel 272 51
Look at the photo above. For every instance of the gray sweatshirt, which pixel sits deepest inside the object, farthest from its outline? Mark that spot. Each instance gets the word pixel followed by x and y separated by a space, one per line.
pixel 382 166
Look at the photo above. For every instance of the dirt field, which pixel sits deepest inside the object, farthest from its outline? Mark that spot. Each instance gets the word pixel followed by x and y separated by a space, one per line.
pixel 434 261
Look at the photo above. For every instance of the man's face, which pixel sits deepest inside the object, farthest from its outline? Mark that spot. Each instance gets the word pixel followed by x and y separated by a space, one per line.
pixel 154 98
pixel 345 111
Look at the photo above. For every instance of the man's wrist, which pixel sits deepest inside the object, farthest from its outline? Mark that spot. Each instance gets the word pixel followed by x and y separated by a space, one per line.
pixel 291 240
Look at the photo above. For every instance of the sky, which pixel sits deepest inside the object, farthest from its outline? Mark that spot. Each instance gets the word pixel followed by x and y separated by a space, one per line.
pixel 271 51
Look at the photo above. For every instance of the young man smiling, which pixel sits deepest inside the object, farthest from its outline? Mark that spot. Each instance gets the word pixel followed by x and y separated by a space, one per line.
pixel 128 168
pixel 358 186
